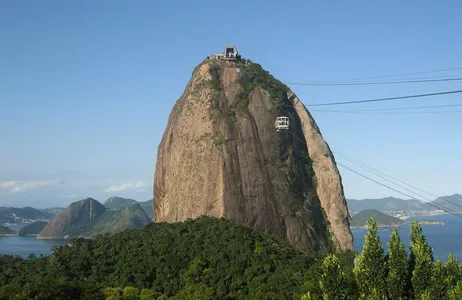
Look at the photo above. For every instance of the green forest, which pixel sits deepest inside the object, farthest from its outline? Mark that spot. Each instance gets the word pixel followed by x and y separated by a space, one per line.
pixel 215 258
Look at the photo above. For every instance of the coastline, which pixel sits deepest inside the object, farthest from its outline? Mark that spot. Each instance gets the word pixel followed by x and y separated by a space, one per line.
pixel 17 234
pixel 421 222
pixel 430 214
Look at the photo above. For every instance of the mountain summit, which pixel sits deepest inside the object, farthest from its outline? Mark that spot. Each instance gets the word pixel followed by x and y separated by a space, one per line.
pixel 221 156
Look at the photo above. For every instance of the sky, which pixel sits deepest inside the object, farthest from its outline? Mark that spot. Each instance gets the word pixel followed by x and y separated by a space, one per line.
pixel 86 87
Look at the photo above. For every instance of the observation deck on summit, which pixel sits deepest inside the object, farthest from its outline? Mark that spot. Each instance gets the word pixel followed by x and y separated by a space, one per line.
pixel 230 54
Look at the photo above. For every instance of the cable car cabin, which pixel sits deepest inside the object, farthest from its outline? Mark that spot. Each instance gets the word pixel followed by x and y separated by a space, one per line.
pixel 282 123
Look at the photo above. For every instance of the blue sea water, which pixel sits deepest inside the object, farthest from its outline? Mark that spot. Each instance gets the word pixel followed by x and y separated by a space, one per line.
pixel 25 245
pixel 443 238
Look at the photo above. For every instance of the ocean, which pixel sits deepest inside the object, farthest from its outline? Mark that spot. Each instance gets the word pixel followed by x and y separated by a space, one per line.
pixel 443 238
pixel 25 245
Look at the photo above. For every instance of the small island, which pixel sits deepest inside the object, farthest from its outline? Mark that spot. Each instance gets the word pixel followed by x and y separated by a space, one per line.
pixel 383 220
pixel 430 222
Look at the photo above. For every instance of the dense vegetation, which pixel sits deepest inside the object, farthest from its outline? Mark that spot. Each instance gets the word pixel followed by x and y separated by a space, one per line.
pixel 255 76
pixel 392 275
pixel 211 258
pixel 361 218
pixel 215 258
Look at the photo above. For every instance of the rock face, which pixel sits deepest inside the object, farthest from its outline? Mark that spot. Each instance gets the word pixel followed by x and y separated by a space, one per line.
pixel 221 156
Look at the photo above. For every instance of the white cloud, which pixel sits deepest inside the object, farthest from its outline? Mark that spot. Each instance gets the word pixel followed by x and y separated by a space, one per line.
pixel 126 187
pixel 13 186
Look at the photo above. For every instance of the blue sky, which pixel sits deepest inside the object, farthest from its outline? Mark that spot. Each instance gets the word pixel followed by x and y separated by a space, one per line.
pixel 86 87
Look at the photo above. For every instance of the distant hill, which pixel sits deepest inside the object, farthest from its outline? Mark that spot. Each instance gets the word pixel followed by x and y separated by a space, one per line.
pixel 51 212
pixel 75 220
pixel 89 217
pixel 118 202
pixel 114 221
pixel 361 218
pixel 148 207
pixel 387 204
pixel 32 228
pixel 15 214
pixel 6 230
pixel 452 202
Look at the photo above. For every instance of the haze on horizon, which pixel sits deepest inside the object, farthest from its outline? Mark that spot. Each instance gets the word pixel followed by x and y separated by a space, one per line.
pixel 87 88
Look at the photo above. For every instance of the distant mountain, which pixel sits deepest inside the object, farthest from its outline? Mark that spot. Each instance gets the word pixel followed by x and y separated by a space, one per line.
pixel 89 217
pixel 387 204
pixel 148 207
pixel 75 220
pixel 118 202
pixel 14 214
pixel 452 202
pixel 114 221
pixel 51 212
pixel 361 218
pixel 32 228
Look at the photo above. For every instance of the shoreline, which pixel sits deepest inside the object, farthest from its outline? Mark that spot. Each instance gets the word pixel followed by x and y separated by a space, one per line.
pixel 430 214
pixel 421 222
pixel 17 234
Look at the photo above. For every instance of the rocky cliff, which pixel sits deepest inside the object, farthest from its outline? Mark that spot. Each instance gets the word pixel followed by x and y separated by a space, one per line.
pixel 221 156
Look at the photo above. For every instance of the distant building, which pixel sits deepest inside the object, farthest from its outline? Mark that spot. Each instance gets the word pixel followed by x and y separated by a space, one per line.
pixel 230 53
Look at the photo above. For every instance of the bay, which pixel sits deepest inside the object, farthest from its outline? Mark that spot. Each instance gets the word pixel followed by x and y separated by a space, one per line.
pixel 443 238
pixel 25 245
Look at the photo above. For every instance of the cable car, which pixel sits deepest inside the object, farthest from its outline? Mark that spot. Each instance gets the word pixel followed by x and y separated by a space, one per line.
pixel 282 123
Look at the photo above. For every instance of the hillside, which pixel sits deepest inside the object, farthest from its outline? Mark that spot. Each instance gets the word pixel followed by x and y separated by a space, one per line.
pixel 32 228
pixel 451 202
pixel 205 258
pixel 221 156
pixel 387 204
pixel 361 218
pixel 6 230
pixel 15 214
pixel 51 212
pixel 148 207
pixel 118 202
pixel 114 221
pixel 89 217
pixel 75 220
